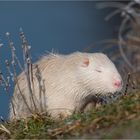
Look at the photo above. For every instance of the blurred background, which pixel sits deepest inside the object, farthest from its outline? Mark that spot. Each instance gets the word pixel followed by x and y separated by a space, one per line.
pixel 62 27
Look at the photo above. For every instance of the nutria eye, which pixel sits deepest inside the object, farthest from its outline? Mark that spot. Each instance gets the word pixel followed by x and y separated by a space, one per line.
pixel 99 71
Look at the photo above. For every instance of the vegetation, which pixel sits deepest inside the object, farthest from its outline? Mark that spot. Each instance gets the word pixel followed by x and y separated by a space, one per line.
pixel 120 119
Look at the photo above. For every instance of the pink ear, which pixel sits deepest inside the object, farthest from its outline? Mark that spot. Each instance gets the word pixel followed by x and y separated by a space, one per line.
pixel 85 62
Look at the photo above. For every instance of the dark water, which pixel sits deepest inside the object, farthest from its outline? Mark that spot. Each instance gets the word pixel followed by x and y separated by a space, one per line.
pixel 64 26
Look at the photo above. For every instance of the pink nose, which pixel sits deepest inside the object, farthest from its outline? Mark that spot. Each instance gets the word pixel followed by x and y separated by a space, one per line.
pixel 118 83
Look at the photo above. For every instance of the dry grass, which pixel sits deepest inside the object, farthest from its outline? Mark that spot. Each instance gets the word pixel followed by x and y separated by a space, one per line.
pixel 114 120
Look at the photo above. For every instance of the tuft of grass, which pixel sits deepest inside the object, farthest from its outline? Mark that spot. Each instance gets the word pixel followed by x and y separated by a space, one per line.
pixel 120 119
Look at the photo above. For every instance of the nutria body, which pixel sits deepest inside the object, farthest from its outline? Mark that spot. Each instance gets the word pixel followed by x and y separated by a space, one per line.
pixel 68 80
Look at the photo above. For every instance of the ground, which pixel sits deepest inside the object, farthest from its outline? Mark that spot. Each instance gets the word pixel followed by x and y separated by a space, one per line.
pixel 118 120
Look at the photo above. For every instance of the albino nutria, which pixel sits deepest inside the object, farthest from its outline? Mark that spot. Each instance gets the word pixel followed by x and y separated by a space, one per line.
pixel 68 80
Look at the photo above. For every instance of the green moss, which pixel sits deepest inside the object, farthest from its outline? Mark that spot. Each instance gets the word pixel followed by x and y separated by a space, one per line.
pixel 120 119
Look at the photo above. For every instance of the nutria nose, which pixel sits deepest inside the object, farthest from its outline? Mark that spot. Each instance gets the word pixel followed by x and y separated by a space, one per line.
pixel 118 83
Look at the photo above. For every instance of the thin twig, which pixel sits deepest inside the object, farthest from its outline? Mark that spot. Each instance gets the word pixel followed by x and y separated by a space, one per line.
pixel 3 128
pixel 127 84
pixel 39 78
pixel 27 66
pixel 14 75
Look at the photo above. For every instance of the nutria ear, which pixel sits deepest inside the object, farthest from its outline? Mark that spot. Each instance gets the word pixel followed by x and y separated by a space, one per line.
pixel 85 62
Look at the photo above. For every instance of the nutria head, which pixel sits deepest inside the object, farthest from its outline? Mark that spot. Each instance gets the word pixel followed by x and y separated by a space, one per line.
pixel 99 74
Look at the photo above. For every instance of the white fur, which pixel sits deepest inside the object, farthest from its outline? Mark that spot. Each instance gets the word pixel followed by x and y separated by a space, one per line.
pixel 67 82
